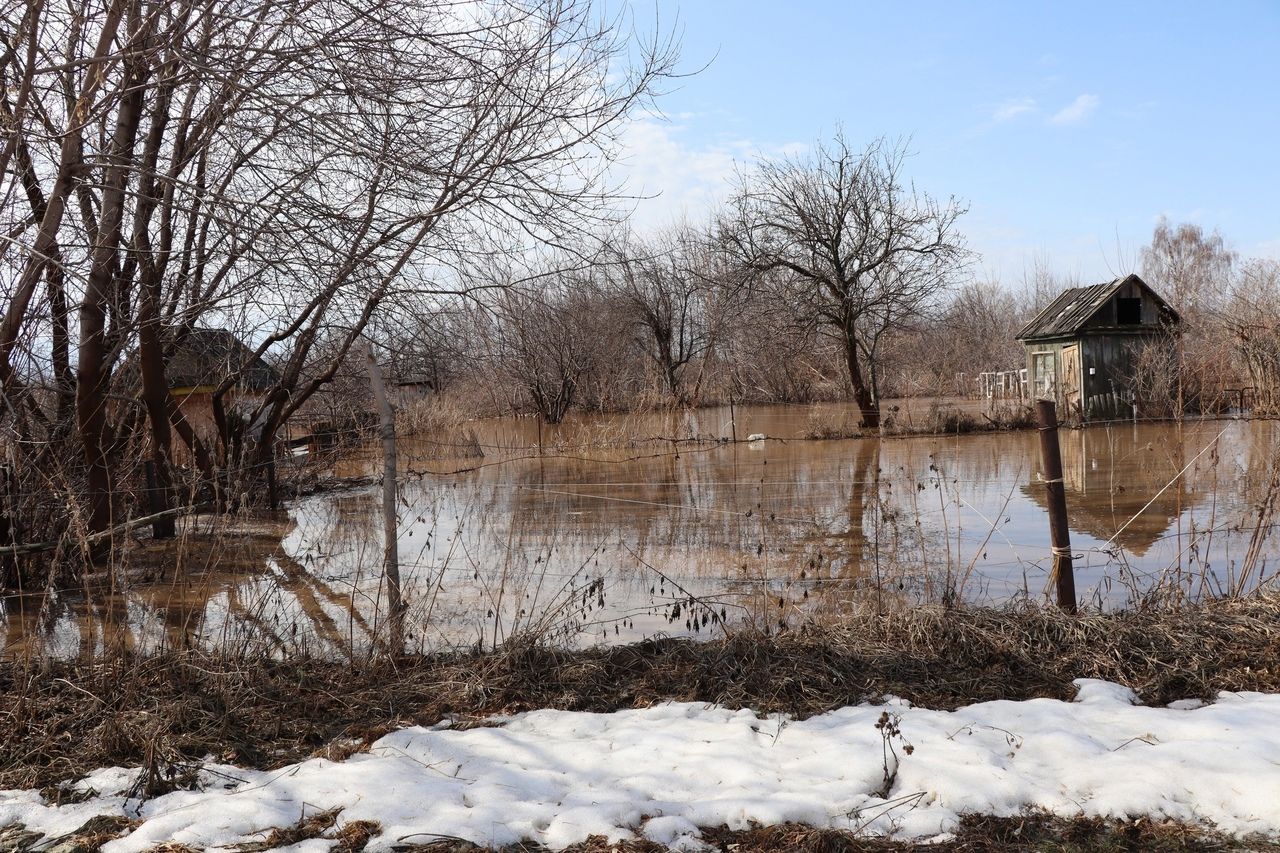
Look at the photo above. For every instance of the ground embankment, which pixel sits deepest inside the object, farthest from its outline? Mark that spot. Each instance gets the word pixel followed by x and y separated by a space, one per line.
pixel 61 719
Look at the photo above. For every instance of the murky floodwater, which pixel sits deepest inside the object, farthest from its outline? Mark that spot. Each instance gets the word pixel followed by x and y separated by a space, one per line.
pixel 614 528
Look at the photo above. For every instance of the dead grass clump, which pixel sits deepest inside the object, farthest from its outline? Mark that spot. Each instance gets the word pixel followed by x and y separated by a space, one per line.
pixel 16 838
pixel 1010 415
pixel 311 826
pixel 1043 832
pixel 828 425
pixel 265 714
pixel 354 835
pixel 88 838
pixel 950 420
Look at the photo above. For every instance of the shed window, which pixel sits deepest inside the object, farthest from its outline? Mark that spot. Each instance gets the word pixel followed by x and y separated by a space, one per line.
pixel 1129 312
pixel 1044 373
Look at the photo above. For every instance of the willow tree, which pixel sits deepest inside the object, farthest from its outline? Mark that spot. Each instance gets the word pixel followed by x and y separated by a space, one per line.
pixel 851 245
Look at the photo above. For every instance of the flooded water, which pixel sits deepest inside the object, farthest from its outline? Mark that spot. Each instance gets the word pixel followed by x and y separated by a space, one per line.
pixel 617 528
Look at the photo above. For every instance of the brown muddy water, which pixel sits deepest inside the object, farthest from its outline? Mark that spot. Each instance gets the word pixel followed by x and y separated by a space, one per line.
pixel 616 528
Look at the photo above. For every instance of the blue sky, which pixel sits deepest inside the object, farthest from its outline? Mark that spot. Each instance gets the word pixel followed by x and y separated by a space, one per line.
pixel 1068 127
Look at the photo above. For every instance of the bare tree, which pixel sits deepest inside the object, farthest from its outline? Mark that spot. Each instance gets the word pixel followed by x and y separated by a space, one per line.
pixel 673 286
pixel 975 331
pixel 770 355
pixel 283 168
pixel 1191 268
pixel 1194 271
pixel 862 250
pixel 543 341
pixel 1253 316
pixel 1040 284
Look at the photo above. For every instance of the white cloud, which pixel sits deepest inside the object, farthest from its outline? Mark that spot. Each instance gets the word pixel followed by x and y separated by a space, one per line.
pixel 1014 108
pixel 676 176
pixel 1076 111
pixel 1268 249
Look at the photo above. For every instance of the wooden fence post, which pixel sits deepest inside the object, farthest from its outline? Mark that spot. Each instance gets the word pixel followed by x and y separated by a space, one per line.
pixel 391 549
pixel 1059 533
pixel 733 419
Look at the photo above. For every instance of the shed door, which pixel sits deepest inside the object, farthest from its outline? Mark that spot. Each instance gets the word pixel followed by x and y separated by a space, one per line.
pixel 1071 379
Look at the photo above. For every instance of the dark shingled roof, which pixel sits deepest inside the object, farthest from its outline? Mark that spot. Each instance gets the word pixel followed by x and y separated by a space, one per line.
pixel 1075 306
pixel 207 356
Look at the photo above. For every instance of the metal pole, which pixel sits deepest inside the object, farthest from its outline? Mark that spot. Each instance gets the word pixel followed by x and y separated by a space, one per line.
pixel 1059 533
pixel 391 551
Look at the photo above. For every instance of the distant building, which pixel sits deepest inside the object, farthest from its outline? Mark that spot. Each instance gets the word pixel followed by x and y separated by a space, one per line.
pixel 205 358
pixel 410 389
pixel 1081 349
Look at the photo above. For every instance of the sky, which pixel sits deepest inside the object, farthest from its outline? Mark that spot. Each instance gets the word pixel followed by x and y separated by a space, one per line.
pixel 1068 128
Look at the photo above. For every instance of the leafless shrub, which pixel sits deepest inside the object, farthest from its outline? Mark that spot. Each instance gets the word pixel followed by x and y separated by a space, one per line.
pixel 1254 322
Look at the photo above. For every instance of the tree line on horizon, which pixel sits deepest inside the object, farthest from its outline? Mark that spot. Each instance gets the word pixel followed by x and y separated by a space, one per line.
pixel 688 316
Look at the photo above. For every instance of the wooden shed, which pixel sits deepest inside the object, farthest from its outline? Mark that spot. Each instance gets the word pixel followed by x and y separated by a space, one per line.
pixel 199 365
pixel 1081 349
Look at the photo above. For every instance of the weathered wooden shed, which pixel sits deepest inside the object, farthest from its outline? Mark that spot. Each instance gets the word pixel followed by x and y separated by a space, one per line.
pixel 1081 349
pixel 199 365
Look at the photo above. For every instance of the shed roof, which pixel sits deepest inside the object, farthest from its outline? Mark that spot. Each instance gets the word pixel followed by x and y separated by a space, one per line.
pixel 207 356
pixel 1075 307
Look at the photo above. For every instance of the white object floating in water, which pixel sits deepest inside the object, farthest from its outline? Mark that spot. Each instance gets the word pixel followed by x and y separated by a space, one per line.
pixel 757 436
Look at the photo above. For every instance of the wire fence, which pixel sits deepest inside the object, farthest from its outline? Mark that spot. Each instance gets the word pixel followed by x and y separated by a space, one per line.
pixel 502 529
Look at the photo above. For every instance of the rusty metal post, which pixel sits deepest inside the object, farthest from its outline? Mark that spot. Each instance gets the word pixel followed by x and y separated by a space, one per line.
pixel 1059 533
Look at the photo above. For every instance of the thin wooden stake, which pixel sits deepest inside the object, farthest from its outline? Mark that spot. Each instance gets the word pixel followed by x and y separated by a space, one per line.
pixel 390 533
pixel 1059 533
pixel 273 494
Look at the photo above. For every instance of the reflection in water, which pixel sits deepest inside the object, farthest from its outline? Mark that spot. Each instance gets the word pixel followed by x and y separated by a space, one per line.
pixel 618 528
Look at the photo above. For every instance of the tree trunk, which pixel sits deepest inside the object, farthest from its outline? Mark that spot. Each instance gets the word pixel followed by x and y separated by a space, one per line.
pixel 93 371
pixel 868 405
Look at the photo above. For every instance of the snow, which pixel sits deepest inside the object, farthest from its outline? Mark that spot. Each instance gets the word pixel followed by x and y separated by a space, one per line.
pixel 557 777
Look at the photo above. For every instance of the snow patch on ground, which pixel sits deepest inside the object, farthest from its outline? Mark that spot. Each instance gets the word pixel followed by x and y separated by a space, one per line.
pixel 557 777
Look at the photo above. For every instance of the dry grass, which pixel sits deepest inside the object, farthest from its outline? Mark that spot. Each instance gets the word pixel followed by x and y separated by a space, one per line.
pixel 90 837
pixel 979 834
pixel 941 418
pixel 350 837
pixel 976 834
pixel 314 825
pixel 60 720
